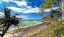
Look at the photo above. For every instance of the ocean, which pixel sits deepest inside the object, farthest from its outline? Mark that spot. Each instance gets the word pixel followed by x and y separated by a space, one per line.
pixel 23 23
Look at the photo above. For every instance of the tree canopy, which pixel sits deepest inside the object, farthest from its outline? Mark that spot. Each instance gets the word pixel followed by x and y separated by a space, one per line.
pixel 47 4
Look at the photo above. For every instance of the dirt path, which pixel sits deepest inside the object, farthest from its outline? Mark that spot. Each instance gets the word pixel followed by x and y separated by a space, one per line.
pixel 26 32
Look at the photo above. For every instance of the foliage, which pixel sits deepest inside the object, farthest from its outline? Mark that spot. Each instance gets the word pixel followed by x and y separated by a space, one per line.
pixel 56 14
pixel 47 4
pixel 59 30
pixel 47 18
pixel 62 21
pixel 1 20
pixel 51 29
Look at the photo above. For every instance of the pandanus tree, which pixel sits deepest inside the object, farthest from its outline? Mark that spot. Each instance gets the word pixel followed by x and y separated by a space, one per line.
pixel 7 21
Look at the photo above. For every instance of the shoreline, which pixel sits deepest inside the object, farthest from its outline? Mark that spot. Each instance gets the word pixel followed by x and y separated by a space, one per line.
pixel 24 26
pixel 26 31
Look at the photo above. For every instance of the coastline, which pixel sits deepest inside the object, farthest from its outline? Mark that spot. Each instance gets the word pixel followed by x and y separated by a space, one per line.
pixel 27 30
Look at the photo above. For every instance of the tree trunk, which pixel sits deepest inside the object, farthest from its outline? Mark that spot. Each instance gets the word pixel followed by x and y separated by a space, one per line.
pixel 62 8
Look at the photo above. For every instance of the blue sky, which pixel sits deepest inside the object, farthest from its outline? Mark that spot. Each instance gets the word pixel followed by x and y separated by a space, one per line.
pixel 27 9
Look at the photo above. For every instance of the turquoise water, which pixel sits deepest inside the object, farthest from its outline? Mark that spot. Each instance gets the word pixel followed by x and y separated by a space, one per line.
pixel 27 22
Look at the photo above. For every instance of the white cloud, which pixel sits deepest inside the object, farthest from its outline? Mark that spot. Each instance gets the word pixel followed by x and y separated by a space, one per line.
pixel 32 10
pixel 7 0
pixel 29 7
pixel 23 17
pixel 21 3
pixel 16 9
pixel 25 10
pixel 1 15
pixel 49 9
pixel 54 8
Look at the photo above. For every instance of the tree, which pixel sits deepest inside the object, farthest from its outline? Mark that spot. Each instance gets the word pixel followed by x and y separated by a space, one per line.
pixel 62 7
pixel 47 4
pixel 8 21
pixel 56 14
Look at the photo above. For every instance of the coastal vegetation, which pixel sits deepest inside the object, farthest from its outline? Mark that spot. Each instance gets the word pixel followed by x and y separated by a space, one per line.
pixel 54 29
pixel 56 26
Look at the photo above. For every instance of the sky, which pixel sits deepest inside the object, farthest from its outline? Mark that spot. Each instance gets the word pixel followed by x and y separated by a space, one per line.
pixel 27 9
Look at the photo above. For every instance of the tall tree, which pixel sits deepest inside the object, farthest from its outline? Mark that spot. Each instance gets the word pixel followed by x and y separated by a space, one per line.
pixel 47 4
pixel 62 8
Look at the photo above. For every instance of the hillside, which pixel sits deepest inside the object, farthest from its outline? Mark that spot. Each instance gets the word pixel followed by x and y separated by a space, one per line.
pixel 47 18
pixel 54 29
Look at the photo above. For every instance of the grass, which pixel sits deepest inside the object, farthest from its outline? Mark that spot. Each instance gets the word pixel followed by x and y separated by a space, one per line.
pixel 62 35
pixel 47 18
pixel 62 21
pixel 49 31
